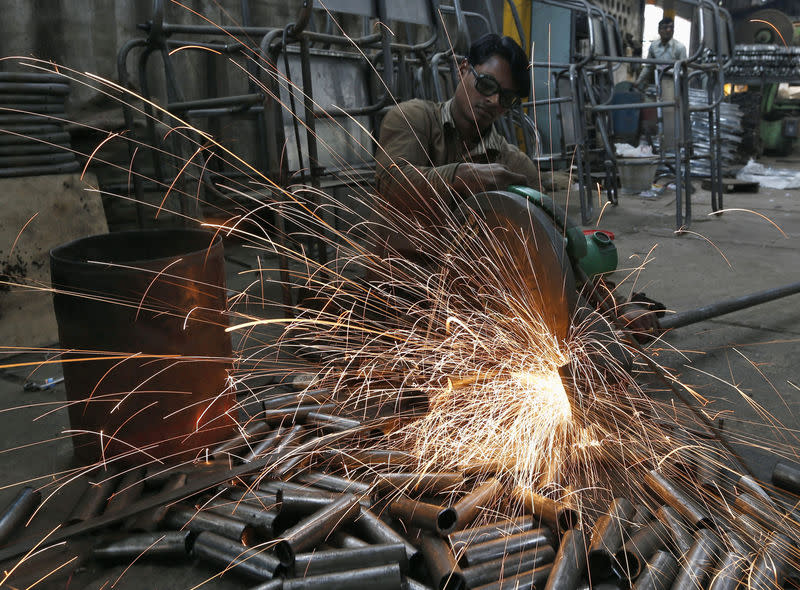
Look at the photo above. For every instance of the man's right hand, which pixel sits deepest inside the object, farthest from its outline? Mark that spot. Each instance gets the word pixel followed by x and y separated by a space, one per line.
pixel 476 178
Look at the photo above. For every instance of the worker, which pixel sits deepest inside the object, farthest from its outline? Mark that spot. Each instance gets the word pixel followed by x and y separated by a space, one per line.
pixel 665 49
pixel 429 153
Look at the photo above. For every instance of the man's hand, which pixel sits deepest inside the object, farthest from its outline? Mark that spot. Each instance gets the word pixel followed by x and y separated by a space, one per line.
pixel 476 178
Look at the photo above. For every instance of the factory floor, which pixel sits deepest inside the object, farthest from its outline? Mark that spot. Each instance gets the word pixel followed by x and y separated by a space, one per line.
pixel 742 366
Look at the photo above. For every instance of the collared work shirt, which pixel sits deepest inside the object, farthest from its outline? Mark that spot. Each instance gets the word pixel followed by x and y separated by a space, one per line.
pixel 672 51
pixel 420 149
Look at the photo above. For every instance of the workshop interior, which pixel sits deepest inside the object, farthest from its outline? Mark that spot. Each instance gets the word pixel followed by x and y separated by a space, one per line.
pixel 219 370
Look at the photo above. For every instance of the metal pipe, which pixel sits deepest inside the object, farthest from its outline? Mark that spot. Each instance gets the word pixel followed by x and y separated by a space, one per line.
pixel 423 482
pixel 677 499
pixel 639 548
pixel 342 540
pixel 770 566
pixel 92 500
pixel 374 530
pixel 151 519
pixel 273 485
pixel 268 443
pixel 333 483
pixel 541 538
pixel 507 566
pixel 251 562
pixel 296 413
pixel 659 572
pixel 730 571
pixel 678 535
pixel 442 565
pixel 607 538
pixel 160 545
pixel 479 499
pixel 385 577
pixel 429 517
pixel 18 511
pixel 338 560
pixel 129 489
pixel 263 521
pixel 696 568
pixel 304 501
pixel 529 580
pixel 557 515
pixel 487 532
pixel 787 477
pixel 181 517
pixel 747 484
pixel 276 402
pixel 252 430
pixel 713 310
pixel 570 562
pixel 355 458
pixel 316 527
pixel 767 516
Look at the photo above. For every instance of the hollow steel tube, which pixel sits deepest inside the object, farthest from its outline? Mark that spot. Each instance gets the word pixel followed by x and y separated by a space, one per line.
pixel 481 498
pixel 385 577
pixel 159 545
pixel 529 580
pixel 786 476
pixel 481 552
pixel 92 500
pixel 487 532
pixel 151 519
pixel 365 457
pixel 639 548
pixel 713 310
pixel 430 517
pixel 129 489
pixel 302 397
pixel 305 501
pixel 251 562
pixel 769 567
pixel 18 511
pixel 557 515
pixel 424 482
pixel 658 573
pixel 374 530
pixel 316 527
pixel 296 413
pixel 570 562
pixel 677 499
pixel 263 521
pixel 507 566
pixel 767 516
pixel 254 429
pixel 606 538
pixel 182 517
pixel 342 540
pixel 747 484
pixel 678 536
pixel 730 571
pixel 695 570
pixel 333 483
pixel 337 560
pixel 266 444
pixel 442 565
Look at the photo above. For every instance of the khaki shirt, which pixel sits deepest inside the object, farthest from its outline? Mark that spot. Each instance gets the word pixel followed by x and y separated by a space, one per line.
pixel 420 149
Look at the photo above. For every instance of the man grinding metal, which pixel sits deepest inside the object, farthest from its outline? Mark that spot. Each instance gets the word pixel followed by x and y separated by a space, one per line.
pixel 430 151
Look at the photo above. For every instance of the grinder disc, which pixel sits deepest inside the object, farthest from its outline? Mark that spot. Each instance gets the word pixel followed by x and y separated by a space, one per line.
pixel 768 26
pixel 512 234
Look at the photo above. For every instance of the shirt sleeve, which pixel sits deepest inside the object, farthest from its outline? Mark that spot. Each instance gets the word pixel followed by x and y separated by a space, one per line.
pixel 405 175
pixel 647 69
pixel 544 181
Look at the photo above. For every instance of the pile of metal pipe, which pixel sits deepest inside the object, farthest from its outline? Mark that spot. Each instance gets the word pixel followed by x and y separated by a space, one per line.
pixel 334 509
pixel 34 140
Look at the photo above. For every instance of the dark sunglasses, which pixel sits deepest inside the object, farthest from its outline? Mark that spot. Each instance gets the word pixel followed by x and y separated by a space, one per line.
pixel 489 86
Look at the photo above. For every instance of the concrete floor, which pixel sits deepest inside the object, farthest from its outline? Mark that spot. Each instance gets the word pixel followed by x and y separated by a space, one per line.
pixel 739 361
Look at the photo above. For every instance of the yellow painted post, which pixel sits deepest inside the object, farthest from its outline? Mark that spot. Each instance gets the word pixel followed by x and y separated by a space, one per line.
pixel 510 26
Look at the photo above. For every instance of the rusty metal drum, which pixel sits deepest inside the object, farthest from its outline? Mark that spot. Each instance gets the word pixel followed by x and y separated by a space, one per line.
pixel 141 318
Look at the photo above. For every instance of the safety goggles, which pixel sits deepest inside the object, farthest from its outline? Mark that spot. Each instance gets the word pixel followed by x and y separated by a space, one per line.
pixel 489 86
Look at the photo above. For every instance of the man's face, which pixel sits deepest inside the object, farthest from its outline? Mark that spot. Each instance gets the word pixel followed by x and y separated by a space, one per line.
pixel 665 32
pixel 472 106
